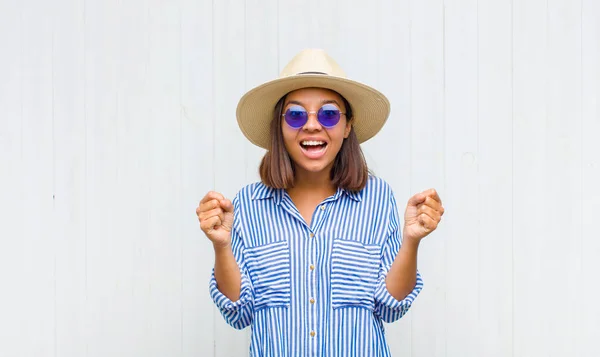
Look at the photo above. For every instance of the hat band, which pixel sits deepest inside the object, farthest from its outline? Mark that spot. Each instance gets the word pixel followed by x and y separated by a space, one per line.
pixel 313 73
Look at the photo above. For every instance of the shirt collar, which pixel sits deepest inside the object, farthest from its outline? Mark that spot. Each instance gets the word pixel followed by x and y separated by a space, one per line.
pixel 261 192
pixel 355 195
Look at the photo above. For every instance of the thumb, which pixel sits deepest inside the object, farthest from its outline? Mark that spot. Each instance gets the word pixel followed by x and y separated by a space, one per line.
pixel 227 208
pixel 226 205
pixel 417 199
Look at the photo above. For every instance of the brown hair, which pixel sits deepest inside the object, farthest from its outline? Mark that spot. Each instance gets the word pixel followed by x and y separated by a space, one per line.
pixel 349 170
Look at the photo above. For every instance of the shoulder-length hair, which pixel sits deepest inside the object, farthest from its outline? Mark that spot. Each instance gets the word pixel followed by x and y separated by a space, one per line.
pixel 349 171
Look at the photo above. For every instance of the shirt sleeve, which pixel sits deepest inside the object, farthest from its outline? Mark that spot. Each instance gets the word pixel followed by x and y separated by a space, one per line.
pixel 387 306
pixel 238 314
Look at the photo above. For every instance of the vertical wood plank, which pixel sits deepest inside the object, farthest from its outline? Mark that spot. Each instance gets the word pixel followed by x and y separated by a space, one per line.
pixel 589 329
pixel 390 150
pixel 495 161
pixel 164 239
pixel 229 143
pixel 229 86
pixel 69 166
pixel 135 157
pixel 297 27
pixel 36 324
pixel 562 242
pixel 358 43
pixel 322 31
pixel 427 168
pixel 106 334
pixel 197 154
pixel 530 158
pixel 12 242
pixel 461 176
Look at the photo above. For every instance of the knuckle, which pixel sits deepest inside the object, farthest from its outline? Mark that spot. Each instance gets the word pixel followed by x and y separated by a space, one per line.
pixel 211 195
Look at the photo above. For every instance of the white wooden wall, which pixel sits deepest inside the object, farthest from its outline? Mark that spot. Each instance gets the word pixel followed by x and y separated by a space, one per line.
pixel 116 116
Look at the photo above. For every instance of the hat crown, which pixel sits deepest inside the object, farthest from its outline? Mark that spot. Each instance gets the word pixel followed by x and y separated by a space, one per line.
pixel 312 61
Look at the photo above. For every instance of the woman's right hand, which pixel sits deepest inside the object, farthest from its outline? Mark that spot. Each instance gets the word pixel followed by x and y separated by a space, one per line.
pixel 215 214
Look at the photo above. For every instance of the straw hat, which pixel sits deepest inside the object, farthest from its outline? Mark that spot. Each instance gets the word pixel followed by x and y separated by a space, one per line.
pixel 311 68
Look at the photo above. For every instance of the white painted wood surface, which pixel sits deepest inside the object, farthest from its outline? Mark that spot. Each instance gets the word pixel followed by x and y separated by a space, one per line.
pixel 117 116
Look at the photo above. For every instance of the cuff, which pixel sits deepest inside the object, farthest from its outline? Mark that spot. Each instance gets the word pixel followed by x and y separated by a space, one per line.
pixel 223 302
pixel 384 298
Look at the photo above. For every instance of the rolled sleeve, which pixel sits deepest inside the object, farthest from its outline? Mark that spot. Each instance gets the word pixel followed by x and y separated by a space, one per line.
pixel 386 305
pixel 239 314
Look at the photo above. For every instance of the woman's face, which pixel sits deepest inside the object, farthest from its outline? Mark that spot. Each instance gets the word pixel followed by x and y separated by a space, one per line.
pixel 314 145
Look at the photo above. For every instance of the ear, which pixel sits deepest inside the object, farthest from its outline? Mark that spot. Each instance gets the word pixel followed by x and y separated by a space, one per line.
pixel 348 129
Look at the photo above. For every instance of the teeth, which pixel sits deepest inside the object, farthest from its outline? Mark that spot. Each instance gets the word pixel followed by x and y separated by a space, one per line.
pixel 312 143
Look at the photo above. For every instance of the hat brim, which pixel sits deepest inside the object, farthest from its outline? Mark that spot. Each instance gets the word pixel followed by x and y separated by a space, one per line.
pixel 254 112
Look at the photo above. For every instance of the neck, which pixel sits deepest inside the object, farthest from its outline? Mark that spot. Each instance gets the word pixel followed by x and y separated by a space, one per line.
pixel 313 181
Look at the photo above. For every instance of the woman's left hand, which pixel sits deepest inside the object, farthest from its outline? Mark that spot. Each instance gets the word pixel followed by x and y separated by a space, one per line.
pixel 423 214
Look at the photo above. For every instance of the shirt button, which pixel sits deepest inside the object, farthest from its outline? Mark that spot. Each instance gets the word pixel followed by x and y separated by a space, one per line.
pixel 311 267
pixel 312 301
pixel 322 208
pixel 312 235
pixel 312 333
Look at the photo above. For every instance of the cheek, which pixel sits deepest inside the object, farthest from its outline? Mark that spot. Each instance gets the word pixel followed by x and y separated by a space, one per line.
pixel 338 136
pixel 289 137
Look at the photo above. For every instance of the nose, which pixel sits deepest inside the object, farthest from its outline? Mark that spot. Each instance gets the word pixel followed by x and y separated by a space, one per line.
pixel 312 124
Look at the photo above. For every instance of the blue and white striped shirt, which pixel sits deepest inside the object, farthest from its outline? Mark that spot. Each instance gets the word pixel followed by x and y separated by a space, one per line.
pixel 315 290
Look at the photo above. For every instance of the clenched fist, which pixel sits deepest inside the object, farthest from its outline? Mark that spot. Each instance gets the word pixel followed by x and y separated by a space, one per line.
pixel 215 214
pixel 423 213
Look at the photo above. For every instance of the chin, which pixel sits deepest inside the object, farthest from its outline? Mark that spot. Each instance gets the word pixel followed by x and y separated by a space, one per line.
pixel 316 167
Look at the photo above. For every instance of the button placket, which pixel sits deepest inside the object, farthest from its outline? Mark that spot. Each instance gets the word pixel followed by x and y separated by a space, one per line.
pixel 312 289
pixel 318 221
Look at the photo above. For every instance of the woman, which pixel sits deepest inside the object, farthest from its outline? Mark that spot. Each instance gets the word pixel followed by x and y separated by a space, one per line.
pixel 311 257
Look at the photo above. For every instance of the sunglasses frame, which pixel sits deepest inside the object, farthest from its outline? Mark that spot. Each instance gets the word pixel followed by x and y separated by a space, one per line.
pixel 316 113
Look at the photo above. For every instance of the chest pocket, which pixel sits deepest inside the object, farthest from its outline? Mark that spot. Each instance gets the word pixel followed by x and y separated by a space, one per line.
pixel 269 269
pixel 354 272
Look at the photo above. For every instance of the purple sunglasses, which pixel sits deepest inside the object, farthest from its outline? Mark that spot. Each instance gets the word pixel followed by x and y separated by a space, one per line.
pixel 328 116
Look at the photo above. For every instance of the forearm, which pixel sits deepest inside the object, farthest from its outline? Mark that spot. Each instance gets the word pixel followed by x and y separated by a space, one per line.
pixel 402 277
pixel 227 273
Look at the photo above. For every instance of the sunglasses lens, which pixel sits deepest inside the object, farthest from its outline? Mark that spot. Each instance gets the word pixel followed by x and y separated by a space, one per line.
pixel 296 117
pixel 329 115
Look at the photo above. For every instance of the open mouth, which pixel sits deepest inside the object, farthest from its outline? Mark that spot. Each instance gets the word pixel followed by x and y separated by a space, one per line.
pixel 313 146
